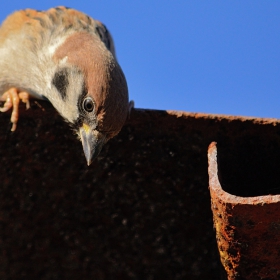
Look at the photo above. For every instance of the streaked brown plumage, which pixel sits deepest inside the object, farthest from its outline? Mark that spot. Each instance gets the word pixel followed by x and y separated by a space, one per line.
pixel 68 58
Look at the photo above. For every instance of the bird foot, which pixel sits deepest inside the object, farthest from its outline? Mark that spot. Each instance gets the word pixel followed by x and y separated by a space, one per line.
pixel 12 98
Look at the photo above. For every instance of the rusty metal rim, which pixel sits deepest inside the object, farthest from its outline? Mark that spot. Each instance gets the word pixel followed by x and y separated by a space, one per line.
pixel 215 185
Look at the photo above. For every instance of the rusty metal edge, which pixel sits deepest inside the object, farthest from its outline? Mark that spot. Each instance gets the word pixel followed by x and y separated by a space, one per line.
pixel 218 117
pixel 265 121
pixel 214 184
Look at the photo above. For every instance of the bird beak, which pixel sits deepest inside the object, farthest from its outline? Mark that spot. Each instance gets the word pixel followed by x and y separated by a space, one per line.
pixel 92 142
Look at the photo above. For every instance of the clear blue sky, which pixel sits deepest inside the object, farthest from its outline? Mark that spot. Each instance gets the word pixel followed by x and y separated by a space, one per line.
pixel 220 57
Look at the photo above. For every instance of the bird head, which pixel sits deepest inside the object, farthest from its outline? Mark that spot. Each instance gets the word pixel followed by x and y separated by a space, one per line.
pixel 91 90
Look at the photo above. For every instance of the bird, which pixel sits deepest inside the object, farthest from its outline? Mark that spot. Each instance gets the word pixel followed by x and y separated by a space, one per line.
pixel 68 58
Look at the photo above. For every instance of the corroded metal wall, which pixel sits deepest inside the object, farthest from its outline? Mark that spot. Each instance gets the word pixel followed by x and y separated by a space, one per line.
pixel 141 211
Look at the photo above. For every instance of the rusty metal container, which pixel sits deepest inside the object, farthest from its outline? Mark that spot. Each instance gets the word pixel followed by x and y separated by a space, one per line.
pixel 247 223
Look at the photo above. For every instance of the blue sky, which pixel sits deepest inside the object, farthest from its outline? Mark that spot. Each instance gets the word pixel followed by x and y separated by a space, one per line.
pixel 219 57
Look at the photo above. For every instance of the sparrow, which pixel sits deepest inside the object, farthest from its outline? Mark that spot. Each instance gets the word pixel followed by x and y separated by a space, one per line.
pixel 68 58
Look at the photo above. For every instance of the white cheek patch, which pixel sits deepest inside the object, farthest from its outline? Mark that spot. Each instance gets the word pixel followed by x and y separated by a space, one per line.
pixel 67 103
pixel 74 90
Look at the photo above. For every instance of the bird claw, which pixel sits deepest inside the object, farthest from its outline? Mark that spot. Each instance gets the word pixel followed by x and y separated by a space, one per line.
pixel 12 98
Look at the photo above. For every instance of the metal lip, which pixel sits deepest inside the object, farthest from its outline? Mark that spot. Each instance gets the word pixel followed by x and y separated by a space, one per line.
pixel 214 184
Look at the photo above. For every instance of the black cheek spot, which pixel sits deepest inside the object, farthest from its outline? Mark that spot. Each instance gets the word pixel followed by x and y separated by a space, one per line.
pixel 61 82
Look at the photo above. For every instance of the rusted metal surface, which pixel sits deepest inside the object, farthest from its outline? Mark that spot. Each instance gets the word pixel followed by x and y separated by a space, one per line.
pixel 140 211
pixel 247 228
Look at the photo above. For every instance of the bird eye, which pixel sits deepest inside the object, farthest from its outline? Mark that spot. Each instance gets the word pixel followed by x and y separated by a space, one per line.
pixel 88 104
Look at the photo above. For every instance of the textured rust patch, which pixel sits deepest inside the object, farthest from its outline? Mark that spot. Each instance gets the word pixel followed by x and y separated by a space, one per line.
pixel 247 228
